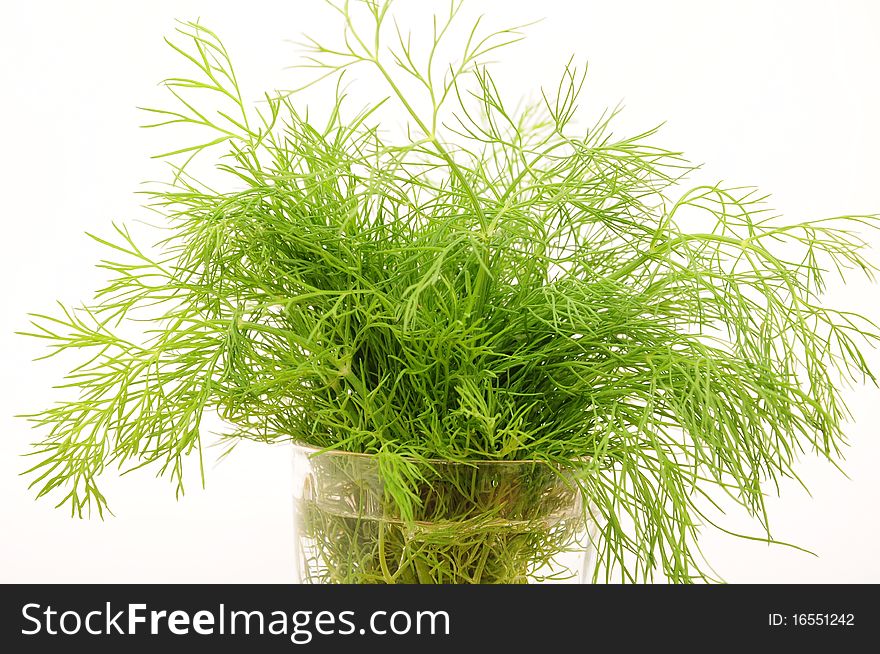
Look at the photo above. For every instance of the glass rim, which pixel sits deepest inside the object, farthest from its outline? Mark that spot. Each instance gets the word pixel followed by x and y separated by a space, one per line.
pixel 312 450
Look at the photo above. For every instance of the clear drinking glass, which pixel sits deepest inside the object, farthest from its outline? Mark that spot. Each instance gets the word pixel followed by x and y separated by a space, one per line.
pixel 484 522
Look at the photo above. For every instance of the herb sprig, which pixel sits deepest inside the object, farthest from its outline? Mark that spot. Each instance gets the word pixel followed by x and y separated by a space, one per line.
pixel 495 284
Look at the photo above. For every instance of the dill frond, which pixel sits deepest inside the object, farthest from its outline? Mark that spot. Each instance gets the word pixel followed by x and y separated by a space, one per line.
pixel 495 284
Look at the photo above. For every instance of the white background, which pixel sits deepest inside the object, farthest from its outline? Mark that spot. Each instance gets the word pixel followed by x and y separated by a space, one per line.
pixel 784 95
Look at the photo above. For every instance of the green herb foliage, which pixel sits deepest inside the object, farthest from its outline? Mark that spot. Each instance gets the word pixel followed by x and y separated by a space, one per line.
pixel 493 284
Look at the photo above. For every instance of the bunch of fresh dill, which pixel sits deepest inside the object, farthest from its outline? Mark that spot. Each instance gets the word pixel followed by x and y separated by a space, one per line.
pixel 494 285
